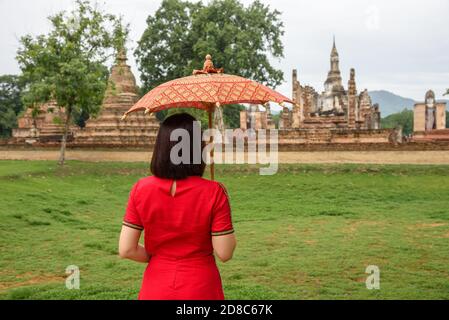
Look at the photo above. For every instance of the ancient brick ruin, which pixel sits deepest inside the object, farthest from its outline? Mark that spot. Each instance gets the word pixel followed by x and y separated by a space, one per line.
pixel 429 120
pixel 106 130
pixel 336 115
pixel 40 125
pixel 255 118
pixel 337 118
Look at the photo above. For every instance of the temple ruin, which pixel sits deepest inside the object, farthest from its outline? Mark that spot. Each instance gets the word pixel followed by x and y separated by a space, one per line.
pixel 42 124
pixel 336 115
pixel 255 118
pixel 429 120
pixel 107 129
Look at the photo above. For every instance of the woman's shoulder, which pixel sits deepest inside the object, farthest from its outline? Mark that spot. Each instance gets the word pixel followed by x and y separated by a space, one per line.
pixel 153 182
pixel 216 186
pixel 145 182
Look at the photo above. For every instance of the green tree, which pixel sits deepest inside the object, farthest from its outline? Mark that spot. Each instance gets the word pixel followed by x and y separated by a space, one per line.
pixel 276 118
pixel 10 103
pixel 163 52
pixel 447 112
pixel 240 39
pixel 231 115
pixel 447 119
pixel 68 65
pixel 403 119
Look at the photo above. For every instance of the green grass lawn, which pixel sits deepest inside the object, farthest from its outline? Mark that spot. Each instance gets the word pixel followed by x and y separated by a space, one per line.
pixel 308 232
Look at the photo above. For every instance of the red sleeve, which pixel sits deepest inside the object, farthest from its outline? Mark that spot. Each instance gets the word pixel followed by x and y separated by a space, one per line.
pixel 132 218
pixel 221 213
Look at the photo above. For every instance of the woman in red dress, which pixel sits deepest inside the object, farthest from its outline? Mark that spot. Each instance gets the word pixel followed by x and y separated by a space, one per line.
pixel 185 218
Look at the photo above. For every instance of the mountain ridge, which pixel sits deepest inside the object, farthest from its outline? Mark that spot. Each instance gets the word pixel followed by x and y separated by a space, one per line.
pixel 390 102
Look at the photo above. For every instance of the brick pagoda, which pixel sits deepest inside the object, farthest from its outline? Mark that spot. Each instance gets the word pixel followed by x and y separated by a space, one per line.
pixel 108 130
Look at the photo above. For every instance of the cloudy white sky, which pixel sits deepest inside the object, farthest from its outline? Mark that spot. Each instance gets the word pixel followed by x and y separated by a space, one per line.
pixel 401 45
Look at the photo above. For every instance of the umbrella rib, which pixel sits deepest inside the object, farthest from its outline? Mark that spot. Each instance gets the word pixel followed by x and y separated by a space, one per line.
pixel 255 92
pixel 229 92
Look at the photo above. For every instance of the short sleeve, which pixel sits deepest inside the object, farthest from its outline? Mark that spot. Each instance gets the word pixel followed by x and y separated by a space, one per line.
pixel 221 214
pixel 132 218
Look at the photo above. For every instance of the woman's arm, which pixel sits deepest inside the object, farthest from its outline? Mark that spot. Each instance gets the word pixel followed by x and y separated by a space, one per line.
pixel 129 247
pixel 224 246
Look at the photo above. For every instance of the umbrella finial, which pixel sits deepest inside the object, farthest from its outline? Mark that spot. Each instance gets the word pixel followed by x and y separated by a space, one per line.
pixel 208 67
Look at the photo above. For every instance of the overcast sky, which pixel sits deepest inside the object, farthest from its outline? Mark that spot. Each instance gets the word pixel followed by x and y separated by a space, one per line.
pixel 396 45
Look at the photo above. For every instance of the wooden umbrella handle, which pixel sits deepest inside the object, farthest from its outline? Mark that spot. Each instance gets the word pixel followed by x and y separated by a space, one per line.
pixel 212 165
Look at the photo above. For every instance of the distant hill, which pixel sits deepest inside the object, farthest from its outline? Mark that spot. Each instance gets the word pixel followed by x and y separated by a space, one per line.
pixel 392 103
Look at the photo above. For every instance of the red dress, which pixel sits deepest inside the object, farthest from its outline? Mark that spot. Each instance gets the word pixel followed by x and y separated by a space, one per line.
pixel 178 236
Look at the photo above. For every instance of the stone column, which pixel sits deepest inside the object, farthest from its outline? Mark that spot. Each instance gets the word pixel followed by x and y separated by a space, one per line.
pixel 440 115
pixel 352 100
pixel 419 117
pixel 243 120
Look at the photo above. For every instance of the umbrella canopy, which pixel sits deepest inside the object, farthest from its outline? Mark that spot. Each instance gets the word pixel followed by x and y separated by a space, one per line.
pixel 206 89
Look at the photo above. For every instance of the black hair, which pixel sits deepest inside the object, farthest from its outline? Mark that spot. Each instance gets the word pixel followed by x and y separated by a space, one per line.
pixel 161 163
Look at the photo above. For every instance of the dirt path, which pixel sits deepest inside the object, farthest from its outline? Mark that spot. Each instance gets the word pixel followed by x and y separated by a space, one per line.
pixel 381 157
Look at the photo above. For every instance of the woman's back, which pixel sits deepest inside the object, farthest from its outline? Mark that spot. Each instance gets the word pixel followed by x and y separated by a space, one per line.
pixel 178 228
pixel 180 225
pixel 186 219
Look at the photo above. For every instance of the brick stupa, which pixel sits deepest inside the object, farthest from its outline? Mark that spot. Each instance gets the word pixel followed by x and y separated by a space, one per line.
pixel 44 128
pixel 108 130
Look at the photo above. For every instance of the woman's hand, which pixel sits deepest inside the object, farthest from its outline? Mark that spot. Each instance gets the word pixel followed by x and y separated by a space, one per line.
pixel 129 247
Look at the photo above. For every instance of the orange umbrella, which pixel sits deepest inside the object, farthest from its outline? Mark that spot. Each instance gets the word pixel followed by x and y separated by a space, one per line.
pixel 206 89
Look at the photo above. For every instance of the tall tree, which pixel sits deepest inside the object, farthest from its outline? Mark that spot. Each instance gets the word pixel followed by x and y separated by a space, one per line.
pixel 447 119
pixel 240 39
pixel 10 103
pixel 68 65
pixel 164 52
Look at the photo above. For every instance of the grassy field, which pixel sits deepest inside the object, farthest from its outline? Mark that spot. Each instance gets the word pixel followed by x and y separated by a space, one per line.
pixel 308 232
